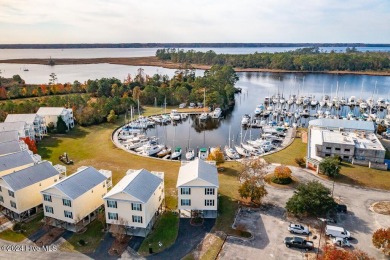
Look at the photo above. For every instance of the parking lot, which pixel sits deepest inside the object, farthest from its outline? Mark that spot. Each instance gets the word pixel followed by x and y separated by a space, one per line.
pixel 269 224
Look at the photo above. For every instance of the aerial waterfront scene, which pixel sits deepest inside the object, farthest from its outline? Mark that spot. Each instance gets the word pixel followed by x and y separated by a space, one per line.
pixel 194 130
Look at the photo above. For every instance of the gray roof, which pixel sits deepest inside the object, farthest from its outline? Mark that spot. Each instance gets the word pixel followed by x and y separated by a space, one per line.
pixel 6 136
pixel 28 118
pixel 80 182
pixel 9 147
pixel 10 126
pixel 339 123
pixel 49 111
pixel 140 184
pixel 198 170
pixel 28 176
pixel 14 160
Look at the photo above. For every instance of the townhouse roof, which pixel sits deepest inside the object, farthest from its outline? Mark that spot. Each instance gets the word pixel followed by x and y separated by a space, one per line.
pixel 28 118
pixel 10 147
pixel 198 170
pixel 14 160
pixel 140 184
pixel 29 176
pixel 6 136
pixel 48 111
pixel 10 126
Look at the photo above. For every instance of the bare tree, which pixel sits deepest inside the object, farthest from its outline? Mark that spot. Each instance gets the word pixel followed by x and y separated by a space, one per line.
pixel 118 230
pixel 255 168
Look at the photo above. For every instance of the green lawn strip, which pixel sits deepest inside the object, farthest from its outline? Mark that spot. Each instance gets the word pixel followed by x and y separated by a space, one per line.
pixel 287 156
pixel 28 227
pixel 165 232
pixel 213 251
pixel 92 237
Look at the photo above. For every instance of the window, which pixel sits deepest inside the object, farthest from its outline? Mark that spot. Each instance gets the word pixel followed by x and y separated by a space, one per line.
pixel 337 149
pixel 111 204
pixel 209 202
pixel 159 198
pixel 66 202
pixel 328 148
pixel 346 157
pixel 209 191
pixel 13 204
pixel 11 193
pixel 186 202
pixel 136 206
pixel 137 219
pixel 1 199
pixel 49 209
pixel 46 197
pixel 68 214
pixel 113 216
pixel 104 184
pixel 347 150
pixel 327 155
pixel 185 191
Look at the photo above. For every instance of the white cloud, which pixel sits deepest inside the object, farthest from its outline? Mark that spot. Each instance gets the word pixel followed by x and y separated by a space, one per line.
pixel 71 21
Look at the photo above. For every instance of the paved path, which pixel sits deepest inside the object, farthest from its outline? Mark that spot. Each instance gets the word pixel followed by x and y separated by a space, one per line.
pixel 188 238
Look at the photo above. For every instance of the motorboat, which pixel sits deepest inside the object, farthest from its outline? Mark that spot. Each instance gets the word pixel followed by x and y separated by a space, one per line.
pixel 314 102
pixel 245 119
pixel 203 153
pixel 216 113
pixel 190 154
pixel 381 102
pixel 231 153
pixel 352 101
pixel 282 100
pixel 363 105
pixel 183 115
pixel 164 152
pixel 242 151
pixel 152 149
pixel 176 154
pixel 175 115
pixel 203 116
pixel 259 109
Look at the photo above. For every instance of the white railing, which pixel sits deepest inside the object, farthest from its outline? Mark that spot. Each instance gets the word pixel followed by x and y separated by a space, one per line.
pixel 61 169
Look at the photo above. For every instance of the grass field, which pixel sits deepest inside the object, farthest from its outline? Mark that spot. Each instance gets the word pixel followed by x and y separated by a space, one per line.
pixel 29 227
pixel 287 156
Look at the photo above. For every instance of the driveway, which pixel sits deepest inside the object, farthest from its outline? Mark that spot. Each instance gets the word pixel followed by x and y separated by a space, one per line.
pixel 359 220
pixel 187 239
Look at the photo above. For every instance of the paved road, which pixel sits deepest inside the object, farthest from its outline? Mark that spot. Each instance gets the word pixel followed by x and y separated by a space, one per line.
pixel 359 220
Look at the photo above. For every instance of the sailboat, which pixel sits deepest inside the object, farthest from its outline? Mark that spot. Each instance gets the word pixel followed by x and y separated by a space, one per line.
pixel 176 154
pixel 230 152
pixel 190 154
pixel 204 115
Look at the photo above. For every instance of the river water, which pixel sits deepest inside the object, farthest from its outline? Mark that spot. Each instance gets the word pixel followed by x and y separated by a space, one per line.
pixel 255 87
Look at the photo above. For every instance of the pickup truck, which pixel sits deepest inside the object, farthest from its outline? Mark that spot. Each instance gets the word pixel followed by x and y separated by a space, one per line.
pixel 298 242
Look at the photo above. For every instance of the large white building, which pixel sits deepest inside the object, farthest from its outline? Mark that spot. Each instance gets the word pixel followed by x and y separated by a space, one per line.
pixel 197 187
pixel 24 130
pixel 20 190
pixel 51 114
pixel 353 141
pixel 74 202
pixel 135 202
pixel 33 121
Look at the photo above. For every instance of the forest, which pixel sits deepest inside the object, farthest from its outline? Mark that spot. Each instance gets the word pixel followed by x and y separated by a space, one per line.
pixel 309 59
pixel 93 100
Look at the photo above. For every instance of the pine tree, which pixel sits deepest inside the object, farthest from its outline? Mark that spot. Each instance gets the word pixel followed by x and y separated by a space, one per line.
pixel 61 126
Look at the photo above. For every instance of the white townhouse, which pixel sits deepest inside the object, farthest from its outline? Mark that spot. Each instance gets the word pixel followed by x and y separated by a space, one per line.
pixel 7 136
pixel 136 201
pixel 20 196
pixel 34 121
pixel 15 162
pixel 197 187
pixel 74 202
pixel 12 147
pixel 24 129
pixel 51 114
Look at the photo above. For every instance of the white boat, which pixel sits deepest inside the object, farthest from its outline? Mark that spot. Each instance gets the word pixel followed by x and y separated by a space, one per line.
pixel 157 119
pixel 350 115
pixel 242 151
pixel 203 116
pixel 259 109
pixel 231 153
pixel 299 101
pixel 245 120
pixel 370 102
pixel 152 149
pixel 175 115
pixel 282 100
pixel 363 105
pixel 322 103
pixel 216 113
pixel 297 115
pixel 183 115
pixel 203 153
pixel 352 101
pixel 381 102
pixel 314 102
pixel 190 155
pixel 164 152
pixel 176 154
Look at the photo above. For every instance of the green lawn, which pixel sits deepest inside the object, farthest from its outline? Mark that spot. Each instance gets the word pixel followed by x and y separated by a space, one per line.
pixel 29 227
pixel 287 156
pixel 165 232
pixel 92 237
pixel 213 251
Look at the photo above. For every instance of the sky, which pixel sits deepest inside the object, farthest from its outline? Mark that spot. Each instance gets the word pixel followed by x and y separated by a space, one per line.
pixel 142 21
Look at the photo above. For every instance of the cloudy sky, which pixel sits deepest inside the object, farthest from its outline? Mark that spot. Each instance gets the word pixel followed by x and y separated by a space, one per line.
pixel 113 21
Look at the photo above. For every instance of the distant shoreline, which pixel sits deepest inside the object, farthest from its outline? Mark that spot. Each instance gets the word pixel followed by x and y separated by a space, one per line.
pixel 153 61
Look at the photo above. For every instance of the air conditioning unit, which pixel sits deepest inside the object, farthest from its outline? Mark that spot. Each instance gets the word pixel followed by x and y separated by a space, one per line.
pixel 341 129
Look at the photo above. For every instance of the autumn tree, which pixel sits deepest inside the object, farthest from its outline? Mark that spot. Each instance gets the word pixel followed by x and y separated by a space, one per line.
pixel 253 167
pixel 252 189
pixel 111 117
pixel 332 253
pixel 30 144
pixel 217 156
pixel 381 240
pixel 282 175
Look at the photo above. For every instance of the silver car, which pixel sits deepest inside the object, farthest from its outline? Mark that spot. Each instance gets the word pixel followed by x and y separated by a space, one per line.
pixel 298 229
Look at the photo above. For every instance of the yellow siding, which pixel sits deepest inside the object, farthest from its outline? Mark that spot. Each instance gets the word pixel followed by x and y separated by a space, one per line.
pixel 2 173
pixel 198 198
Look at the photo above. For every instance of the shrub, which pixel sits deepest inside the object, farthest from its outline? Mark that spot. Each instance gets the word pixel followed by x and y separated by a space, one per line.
pixel 381 240
pixel 282 175
pixel 330 166
pixel 82 242
pixel 17 227
pixel 300 161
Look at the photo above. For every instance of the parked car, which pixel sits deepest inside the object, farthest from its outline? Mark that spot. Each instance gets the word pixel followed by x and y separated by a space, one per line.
pixel 298 242
pixel 298 229
pixel 192 105
pixel 335 231
pixel 341 208
pixel 182 105
pixel 342 242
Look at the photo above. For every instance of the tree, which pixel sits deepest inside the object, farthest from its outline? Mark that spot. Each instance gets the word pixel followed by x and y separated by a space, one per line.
pixel 333 253
pixel 53 78
pixel 30 144
pixel 217 156
pixel 61 126
pixel 118 230
pixel 256 167
pixel 282 175
pixel 330 166
pixel 17 79
pixel 253 190
pixel 381 240
pixel 311 198
pixel 111 117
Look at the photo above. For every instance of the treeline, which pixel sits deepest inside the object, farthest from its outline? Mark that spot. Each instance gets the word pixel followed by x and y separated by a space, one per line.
pixel 101 96
pixel 304 59
pixel 182 45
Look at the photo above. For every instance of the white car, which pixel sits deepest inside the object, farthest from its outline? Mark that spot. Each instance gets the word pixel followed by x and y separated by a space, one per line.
pixel 298 229
pixel 342 242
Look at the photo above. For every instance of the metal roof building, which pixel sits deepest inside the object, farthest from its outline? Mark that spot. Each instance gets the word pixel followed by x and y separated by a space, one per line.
pixel 15 160
pixel 328 123
pixel 28 118
pixel 7 136
pixel 198 170
pixel 10 147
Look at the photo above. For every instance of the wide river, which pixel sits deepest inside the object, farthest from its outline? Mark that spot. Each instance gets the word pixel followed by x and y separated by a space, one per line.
pixel 255 86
